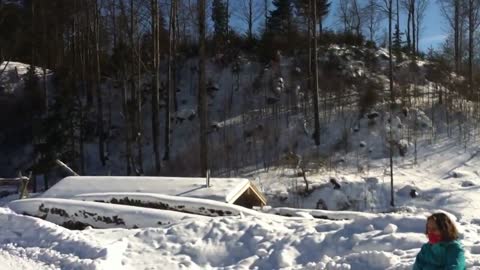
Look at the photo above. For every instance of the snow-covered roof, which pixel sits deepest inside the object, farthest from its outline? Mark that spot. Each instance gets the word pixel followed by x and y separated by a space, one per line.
pixel 220 189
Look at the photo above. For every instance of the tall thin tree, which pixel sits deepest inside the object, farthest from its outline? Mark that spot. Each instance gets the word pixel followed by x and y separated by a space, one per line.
pixel 155 29
pixel 473 23
pixel 98 86
pixel 452 10
pixel 171 76
pixel 419 16
pixel 388 9
pixel 315 76
pixel 371 18
pixel 392 97
pixel 202 91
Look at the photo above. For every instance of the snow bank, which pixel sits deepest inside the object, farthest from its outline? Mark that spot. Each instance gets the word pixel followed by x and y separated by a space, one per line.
pixel 78 214
pixel 366 241
pixel 325 214
pixel 252 242
pixel 32 243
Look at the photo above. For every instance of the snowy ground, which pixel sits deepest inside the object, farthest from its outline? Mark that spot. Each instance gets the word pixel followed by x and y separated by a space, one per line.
pixel 446 178
pixel 376 237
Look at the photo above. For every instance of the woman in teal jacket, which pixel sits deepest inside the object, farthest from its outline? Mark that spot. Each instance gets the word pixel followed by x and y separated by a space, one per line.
pixel 443 251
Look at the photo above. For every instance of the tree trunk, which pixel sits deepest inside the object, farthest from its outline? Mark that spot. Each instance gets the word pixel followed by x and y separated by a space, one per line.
pixel 320 27
pixel 87 56
pixel 114 24
pixel 133 116
pixel 456 32
pixel 45 62
pixel 128 148
pixel 139 135
pixel 315 76
pixel 409 17
pixel 98 92
pixel 414 40
pixel 250 20
pixel 310 56
pixel 32 49
pixel 357 15
pixel 82 139
pixel 78 76
pixel 171 78
pixel 202 93
pixel 266 12
pixel 155 83
pixel 227 7
pixel 398 16
pixel 471 30
pixel 174 64
pixel 392 98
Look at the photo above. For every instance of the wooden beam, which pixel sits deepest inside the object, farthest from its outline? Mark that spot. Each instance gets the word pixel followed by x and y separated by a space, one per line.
pixel 12 181
pixel 64 166
pixel 258 193
pixel 21 183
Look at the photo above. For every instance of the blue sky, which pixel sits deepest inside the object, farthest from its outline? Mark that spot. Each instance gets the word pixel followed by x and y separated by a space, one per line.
pixel 434 30
pixel 433 34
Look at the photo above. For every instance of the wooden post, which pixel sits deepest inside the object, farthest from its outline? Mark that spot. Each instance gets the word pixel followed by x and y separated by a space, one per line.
pixel 24 185
pixel 208 178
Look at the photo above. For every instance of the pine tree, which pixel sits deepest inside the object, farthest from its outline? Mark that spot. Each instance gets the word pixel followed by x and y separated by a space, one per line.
pixel 220 20
pixel 281 18
pixel 11 20
pixel 33 93
pixel 397 40
pixel 58 134
pixel 323 7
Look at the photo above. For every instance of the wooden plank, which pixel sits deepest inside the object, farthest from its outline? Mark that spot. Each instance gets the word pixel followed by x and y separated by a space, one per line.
pixel 20 183
pixel 12 181
pixel 64 166
pixel 258 193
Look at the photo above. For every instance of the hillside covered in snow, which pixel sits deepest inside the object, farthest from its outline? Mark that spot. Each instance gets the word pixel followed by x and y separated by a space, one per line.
pixel 260 116
pixel 329 205
pixel 246 134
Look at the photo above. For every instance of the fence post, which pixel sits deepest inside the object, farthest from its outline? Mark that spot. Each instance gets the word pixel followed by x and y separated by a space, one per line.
pixel 208 178
pixel 24 185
